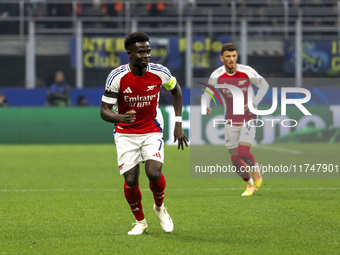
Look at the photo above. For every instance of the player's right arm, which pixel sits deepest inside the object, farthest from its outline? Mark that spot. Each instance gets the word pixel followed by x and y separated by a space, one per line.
pixel 108 115
pixel 206 97
pixel 109 101
pixel 205 103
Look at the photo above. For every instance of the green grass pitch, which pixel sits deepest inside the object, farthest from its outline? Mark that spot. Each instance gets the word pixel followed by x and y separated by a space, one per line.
pixel 68 199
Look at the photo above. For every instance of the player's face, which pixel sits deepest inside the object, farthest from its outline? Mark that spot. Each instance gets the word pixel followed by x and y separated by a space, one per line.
pixel 229 59
pixel 140 54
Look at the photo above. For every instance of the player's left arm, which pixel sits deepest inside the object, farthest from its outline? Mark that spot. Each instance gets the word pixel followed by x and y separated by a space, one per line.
pixel 263 88
pixel 262 85
pixel 177 101
pixel 170 83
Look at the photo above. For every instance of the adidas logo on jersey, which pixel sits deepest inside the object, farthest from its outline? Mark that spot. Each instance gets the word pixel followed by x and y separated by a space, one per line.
pixel 127 90
pixel 158 155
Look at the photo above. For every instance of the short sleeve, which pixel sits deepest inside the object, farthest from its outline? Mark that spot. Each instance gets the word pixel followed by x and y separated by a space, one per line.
pixel 168 81
pixel 111 88
pixel 214 76
pixel 254 77
pixel 171 84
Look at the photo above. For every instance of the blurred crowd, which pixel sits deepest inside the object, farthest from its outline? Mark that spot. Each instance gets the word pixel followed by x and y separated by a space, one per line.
pixel 255 11
pixel 95 8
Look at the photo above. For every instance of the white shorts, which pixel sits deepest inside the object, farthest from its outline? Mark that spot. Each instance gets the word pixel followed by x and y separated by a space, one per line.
pixel 133 149
pixel 235 134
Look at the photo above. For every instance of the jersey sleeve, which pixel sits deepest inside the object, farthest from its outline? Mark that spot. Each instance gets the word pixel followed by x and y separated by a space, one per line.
pixel 168 81
pixel 213 78
pixel 254 77
pixel 171 84
pixel 208 94
pixel 111 89
pixel 258 81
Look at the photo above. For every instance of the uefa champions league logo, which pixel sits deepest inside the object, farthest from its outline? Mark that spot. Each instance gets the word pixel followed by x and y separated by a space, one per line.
pixel 238 104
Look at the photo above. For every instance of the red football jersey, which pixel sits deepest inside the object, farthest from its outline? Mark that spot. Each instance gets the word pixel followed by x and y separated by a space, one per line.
pixel 243 78
pixel 140 93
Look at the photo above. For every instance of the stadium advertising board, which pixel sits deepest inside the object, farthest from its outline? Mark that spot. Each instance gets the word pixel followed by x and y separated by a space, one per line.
pixel 323 125
pixel 318 56
pixel 108 52
pixel 83 125
pixel 37 97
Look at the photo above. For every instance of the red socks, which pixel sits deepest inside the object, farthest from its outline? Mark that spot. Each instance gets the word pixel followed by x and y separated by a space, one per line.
pixel 238 163
pixel 134 198
pixel 245 154
pixel 157 189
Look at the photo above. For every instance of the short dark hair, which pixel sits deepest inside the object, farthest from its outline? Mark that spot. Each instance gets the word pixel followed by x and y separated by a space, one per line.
pixel 135 37
pixel 228 47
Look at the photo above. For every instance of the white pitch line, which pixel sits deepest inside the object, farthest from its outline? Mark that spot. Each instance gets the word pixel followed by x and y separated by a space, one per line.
pixel 111 190
pixel 55 190
pixel 278 149
pixel 328 188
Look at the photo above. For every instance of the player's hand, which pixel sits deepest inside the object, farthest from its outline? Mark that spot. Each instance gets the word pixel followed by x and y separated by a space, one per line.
pixel 180 136
pixel 209 110
pixel 130 117
pixel 246 108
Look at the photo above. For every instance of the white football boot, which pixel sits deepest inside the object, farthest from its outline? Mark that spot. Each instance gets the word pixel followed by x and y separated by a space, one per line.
pixel 164 218
pixel 139 228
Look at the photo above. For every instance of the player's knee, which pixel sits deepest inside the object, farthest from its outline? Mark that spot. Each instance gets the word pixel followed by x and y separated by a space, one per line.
pixel 131 180
pixel 131 183
pixel 153 170
pixel 154 174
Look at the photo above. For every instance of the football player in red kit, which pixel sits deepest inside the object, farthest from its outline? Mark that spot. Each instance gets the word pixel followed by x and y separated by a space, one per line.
pixel 239 132
pixel 131 102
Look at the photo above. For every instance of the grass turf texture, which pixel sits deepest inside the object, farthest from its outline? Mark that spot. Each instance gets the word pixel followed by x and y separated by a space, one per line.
pixel 68 199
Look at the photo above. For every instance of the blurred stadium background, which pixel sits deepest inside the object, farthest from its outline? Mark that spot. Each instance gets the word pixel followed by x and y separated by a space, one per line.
pixel 60 192
pixel 291 43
